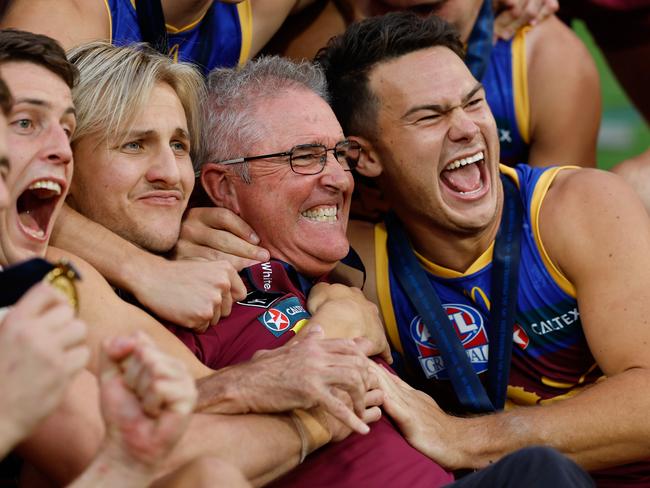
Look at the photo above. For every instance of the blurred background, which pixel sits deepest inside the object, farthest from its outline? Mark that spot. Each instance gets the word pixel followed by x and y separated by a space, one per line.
pixel 623 133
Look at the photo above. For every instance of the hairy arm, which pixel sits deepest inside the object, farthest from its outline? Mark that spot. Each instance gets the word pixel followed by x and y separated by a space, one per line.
pixel 53 18
pixel 564 97
pixel 597 231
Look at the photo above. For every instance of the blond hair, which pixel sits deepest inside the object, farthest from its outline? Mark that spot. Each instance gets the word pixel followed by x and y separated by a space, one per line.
pixel 116 83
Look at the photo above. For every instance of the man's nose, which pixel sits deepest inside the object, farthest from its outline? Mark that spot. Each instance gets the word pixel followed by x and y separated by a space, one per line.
pixel 462 125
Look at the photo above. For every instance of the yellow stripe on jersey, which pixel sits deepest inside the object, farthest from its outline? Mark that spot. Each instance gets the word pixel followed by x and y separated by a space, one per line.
pixel 383 288
pixel 176 30
pixel 246 25
pixel 541 188
pixel 520 84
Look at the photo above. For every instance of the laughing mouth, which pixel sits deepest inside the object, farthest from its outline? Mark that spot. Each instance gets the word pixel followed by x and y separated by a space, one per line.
pixel 326 213
pixel 36 205
pixel 464 175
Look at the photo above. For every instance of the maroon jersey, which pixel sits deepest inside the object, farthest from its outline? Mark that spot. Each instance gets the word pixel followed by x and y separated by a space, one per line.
pixel 267 318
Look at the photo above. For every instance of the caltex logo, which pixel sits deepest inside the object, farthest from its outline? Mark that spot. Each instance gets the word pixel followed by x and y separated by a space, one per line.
pixel 276 321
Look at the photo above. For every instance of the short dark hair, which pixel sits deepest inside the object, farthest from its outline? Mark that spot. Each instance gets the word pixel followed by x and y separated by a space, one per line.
pixel 6 100
pixel 17 45
pixel 349 58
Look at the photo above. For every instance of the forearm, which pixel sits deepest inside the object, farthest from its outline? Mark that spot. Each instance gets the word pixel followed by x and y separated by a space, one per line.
pixel 102 248
pixel 605 425
pixel 107 471
pixel 262 447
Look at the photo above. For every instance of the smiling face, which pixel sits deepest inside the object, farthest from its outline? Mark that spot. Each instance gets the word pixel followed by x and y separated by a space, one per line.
pixel 137 183
pixel 40 125
pixel 437 143
pixel 300 219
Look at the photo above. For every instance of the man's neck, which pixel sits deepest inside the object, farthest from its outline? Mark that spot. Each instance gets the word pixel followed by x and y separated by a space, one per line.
pixel 453 250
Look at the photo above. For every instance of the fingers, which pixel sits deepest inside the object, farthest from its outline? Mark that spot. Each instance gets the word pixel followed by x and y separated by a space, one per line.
pixel 38 299
pixel 162 383
pixel 222 230
pixel 518 13
pixel 223 218
pixel 338 409
pixel 373 414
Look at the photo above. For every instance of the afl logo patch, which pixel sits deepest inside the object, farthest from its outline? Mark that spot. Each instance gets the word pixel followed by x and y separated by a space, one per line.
pixel 469 327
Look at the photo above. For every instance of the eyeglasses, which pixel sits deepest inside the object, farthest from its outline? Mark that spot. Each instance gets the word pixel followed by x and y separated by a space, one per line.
pixel 310 159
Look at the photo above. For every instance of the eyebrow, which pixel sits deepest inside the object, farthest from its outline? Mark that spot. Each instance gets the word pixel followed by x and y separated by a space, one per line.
pixel 142 134
pixel 444 108
pixel 42 103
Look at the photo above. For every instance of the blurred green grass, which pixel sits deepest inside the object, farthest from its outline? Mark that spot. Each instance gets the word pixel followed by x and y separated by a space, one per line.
pixel 623 132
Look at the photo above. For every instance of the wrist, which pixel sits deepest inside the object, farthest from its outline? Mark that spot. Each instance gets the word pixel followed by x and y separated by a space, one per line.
pixel 222 392
pixel 113 467
pixel 312 429
pixel 134 273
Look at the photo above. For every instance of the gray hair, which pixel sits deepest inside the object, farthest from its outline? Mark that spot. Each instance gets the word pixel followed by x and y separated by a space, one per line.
pixel 230 125
pixel 116 83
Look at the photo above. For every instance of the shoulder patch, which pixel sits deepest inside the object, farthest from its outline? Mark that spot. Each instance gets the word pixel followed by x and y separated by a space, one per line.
pixel 284 316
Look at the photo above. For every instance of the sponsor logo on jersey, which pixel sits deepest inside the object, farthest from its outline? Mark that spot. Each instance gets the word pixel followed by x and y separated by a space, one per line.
pixel 267 275
pixel 285 315
pixel 470 329
pixel 520 337
pixel 557 323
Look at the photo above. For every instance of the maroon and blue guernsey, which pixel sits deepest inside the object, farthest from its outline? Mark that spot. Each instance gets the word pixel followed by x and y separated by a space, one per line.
pixel 270 315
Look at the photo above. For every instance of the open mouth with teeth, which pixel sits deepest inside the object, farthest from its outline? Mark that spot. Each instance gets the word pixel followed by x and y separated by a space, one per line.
pixel 464 176
pixel 36 205
pixel 325 213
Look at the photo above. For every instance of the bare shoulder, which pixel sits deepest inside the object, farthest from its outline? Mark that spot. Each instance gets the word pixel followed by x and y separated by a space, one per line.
pixel 564 96
pixel 589 216
pixel 551 37
pixel 85 269
pixel 60 19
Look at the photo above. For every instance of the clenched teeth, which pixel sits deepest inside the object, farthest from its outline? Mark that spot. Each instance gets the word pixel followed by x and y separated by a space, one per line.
pixel 321 214
pixel 46 185
pixel 464 161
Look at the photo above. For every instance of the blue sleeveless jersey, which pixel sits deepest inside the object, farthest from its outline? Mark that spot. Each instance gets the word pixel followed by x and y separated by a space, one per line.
pixel 506 89
pixel 230 33
pixel 551 359
pixel 550 354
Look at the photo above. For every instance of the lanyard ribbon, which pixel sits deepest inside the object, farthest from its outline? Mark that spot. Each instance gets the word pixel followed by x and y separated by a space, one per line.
pixel 504 286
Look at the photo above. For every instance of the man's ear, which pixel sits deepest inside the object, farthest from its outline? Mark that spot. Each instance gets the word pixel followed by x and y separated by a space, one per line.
pixel 369 164
pixel 217 183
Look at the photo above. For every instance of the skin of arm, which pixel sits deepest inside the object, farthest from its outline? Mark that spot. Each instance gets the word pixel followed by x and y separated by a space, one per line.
pixel 44 17
pixel 53 18
pixel 564 95
pixel 189 293
pixel 76 423
pixel 43 349
pixel 340 365
pixel 597 232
